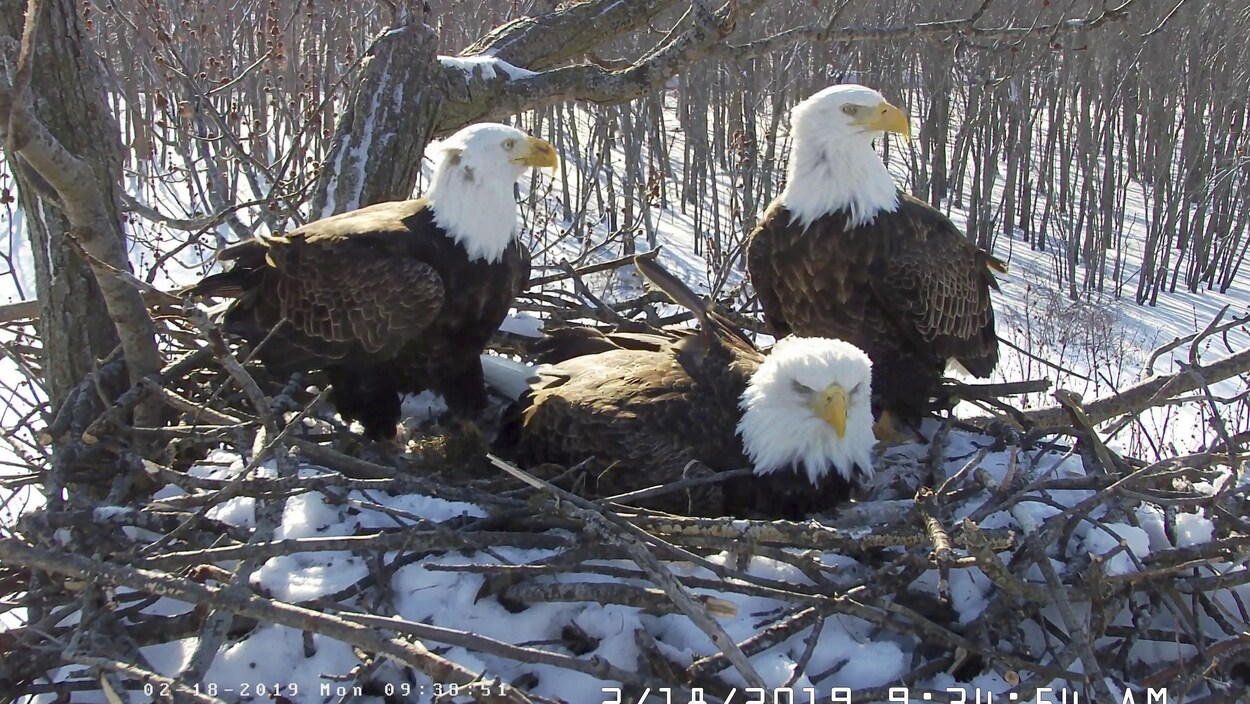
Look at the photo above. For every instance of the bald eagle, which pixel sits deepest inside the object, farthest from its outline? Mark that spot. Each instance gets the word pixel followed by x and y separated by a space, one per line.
pixel 638 408
pixel 842 252
pixel 395 297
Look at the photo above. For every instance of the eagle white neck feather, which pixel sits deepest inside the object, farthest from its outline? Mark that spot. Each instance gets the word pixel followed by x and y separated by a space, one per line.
pixel 474 205
pixel 826 176
pixel 779 430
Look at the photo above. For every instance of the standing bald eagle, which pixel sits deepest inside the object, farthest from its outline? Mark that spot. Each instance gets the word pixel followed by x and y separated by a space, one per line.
pixel 842 252
pixel 641 407
pixel 396 297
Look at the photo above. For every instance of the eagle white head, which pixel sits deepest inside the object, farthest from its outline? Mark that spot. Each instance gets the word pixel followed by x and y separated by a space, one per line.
pixel 810 402
pixel 833 165
pixel 471 193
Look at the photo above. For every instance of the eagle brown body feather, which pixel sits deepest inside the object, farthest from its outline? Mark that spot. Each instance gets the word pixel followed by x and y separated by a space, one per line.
pixel 638 408
pixel 381 298
pixel 909 289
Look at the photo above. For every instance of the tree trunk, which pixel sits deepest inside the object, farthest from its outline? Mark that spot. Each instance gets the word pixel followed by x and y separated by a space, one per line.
pixel 405 96
pixel 67 79
pixel 390 117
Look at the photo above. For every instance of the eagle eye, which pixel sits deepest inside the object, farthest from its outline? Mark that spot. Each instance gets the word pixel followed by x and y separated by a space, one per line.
pixel 509 143
pixel 850 109
pixel 801 389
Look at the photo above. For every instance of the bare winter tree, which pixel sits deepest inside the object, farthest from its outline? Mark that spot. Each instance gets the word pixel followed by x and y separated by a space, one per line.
pixel 208 121
pixel 334 105
pixel 61 138
pixel 406 95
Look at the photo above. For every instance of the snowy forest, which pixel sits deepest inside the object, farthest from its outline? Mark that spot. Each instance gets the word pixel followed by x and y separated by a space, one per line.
pixel 178 522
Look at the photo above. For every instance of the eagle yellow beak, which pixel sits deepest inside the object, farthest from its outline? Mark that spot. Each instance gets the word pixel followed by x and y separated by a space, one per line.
pixel 887 118
pixel 830 406
pixel 539 153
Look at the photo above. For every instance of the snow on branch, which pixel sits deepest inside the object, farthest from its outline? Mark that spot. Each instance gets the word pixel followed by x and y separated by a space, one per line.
pixel 592 83
pixel 566 33
pixel 543 81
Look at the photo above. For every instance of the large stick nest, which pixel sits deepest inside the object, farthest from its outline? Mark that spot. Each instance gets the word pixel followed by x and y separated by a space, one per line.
pixel 1085 569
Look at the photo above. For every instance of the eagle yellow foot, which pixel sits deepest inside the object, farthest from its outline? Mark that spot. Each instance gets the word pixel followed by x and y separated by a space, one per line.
pixel 888 434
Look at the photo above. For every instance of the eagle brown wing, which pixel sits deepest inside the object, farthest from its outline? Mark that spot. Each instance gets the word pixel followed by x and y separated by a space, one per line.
pixel 637 417
pixel 937 283
pixel 763 268
pixel 358 283
pixel 353 291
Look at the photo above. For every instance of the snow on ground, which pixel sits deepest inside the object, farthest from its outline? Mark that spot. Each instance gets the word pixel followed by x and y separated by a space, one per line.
pixel 847 652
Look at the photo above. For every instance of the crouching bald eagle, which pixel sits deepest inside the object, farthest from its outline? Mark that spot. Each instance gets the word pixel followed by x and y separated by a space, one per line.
pixel 637 409
pixel 842 252
pixel 396 297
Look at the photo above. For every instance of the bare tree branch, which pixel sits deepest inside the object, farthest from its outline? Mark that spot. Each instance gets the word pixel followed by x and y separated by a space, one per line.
pixel 566 33
pixel 1155 391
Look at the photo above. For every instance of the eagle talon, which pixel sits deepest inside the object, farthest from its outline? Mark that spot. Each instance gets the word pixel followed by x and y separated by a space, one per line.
pixel 891 432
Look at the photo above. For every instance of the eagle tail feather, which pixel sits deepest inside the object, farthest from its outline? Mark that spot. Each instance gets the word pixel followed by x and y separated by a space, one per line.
pixel 249 249
pixel 508 377
pixel 980 367
pixel 564 343
pixel 674 288
pixel 227 284
pixel 995 264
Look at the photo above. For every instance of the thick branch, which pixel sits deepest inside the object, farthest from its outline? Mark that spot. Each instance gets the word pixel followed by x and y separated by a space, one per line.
pixel 589 82
pixel 568 32
pixel 376 155
pixel 1152 392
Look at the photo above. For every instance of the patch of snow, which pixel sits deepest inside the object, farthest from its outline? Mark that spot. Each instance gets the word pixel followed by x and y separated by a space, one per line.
pixel 1150 518
pixel 426 405
pixel 484 67
pixel 305 576
pixel 870 663
pixel 968 590
pixel 254 663
pixel 508 376
pixel 1101 541
pixel 1192 529
pixel 429 508
pixel 522 323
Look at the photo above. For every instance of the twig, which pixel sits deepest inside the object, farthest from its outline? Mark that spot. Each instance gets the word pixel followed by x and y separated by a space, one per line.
pixel 408 652
pixel 620 533
pixel 679 485
pixel 589 269
pixel 418 541
pixel 652 600
pixel 810 535
pixel 939 538
pixel 179 690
